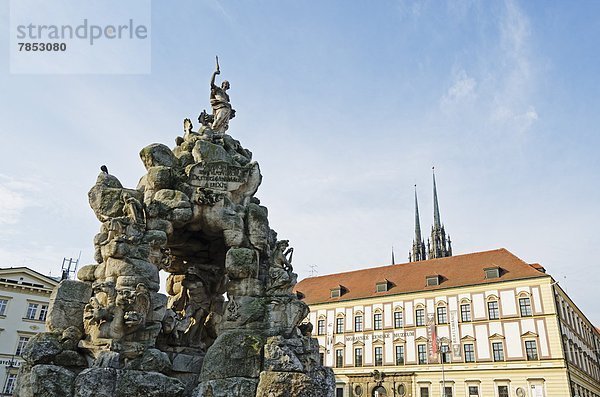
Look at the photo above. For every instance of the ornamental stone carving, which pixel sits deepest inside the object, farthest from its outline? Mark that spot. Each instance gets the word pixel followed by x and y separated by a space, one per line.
pixel 229 324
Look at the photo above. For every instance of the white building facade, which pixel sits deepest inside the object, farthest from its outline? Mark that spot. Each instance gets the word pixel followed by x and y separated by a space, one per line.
pixel 24 296
pixel 385 330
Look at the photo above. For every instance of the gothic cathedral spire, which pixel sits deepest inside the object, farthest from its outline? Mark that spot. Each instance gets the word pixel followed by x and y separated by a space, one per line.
pixel 439 245
pixel 418 246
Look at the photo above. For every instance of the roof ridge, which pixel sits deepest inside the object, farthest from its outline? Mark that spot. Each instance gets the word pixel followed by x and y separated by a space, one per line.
pixel 416 263
pixel 28 269
pixel 457 271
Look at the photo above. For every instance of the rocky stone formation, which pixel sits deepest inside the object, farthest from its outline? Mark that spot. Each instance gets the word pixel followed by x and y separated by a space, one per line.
pixel 194 216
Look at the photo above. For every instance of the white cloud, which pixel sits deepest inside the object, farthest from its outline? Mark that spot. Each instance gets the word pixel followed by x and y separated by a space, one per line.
pixel 522 120
pixel 512 105
pixel 11 205
pixel 461 90
pixel 15 196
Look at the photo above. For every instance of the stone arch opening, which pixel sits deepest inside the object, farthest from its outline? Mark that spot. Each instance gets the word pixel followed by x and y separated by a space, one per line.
pixel 196 284
pixel 379 391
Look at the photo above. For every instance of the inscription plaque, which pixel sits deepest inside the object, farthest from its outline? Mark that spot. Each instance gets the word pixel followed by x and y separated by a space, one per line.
pixel 218 176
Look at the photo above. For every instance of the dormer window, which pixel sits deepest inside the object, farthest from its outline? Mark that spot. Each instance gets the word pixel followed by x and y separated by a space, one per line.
pixel 382 286
pixel 433 280
pixel 337 291
pixel 492 272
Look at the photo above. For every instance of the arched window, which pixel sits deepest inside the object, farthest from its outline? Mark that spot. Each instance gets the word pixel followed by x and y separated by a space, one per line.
pixel 378 320
pixel 358 321
pixel 525 304
pixel 419 315
pixel 465 310
pixel 442 313
pixel 321 325
pixel 398 317
pixel 339 324
pixel 493 306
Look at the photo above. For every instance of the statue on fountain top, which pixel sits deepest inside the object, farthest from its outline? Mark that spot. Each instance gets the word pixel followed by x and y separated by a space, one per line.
pixel 221 107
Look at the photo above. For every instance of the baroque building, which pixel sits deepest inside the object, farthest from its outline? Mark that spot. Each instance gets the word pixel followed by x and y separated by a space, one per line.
pixel 24 297
pixel 474 325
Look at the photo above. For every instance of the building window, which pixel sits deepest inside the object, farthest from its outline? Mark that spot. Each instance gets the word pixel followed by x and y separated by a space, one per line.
pixel 469 353
pixel 382 286
pixel 473 391
pixel 431 281
pixel 358 323
pixel 3 304
pixel 378 356
pixel 339 392
pixel 423 392
pixel 339 325
pixel 11 382
pixel 465 312
pixel 321 327
pixel 525 306
pixel 43 312
pixel 498 351
pixel 531 350
pixel 492 272
pixel 442 315
pixel 422 354
pixel 358 357
pixel 447 391
pixel 377 324
pixel 339 358
pixel 420 317
pixel 399 355
pixel 445 354
pixel 398 319
pixel 322 357
pixel 31 311
pixel 502 391
pixel 21 345
pixel 493 312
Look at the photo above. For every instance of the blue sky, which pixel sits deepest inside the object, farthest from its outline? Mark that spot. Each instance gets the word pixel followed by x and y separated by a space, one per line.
pixel 346 105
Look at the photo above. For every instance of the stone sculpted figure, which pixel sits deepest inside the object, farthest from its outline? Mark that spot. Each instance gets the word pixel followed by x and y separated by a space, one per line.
pixel 280 273
pixel 191 301
pixel 113 315
pixel 282 255
pixel 133 209
pixel 187 126
pixel 219 100
pixel 205 119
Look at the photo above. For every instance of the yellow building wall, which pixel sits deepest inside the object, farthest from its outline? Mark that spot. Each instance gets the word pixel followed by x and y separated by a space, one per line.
pixel 551 373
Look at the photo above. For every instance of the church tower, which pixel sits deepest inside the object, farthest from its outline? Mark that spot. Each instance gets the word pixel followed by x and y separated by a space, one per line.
pixel 418 246
pixel 438 245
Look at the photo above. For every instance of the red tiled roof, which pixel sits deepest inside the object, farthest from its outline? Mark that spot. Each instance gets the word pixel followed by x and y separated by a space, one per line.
pixel 537 266
pixel 455 271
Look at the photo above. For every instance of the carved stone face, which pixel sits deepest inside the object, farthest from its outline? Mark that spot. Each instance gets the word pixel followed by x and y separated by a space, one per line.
pixel 126 297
